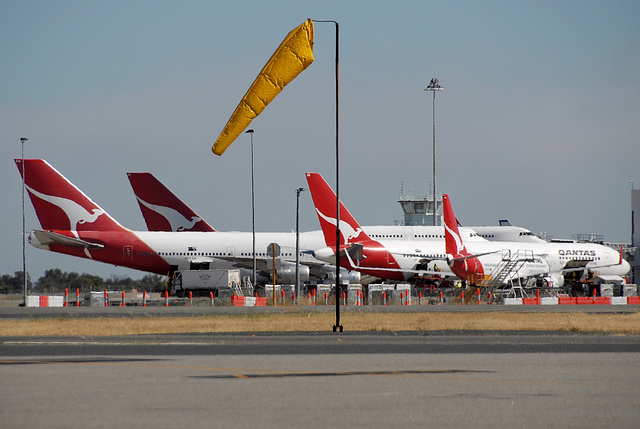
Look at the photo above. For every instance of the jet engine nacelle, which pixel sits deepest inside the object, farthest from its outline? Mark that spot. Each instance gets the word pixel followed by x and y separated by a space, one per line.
pixel 352 277
pixel 450 259
pixel 554 280
pixel 287 273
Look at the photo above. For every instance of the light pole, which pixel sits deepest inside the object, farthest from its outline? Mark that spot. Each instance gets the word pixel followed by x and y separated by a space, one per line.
pixel 433 87
pixel 24 251
pixel 298 241
pixel 253 212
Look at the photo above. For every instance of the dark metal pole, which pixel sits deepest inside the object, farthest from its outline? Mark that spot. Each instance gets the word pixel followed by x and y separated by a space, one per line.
pixel 24 252
pixel 253 213
pixel 298 242
pixel 337 327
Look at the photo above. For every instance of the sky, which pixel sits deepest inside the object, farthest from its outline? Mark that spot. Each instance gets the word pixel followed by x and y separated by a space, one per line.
pixel 538 122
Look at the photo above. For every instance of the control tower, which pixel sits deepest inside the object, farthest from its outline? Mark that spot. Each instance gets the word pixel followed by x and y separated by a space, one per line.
pixel 419 211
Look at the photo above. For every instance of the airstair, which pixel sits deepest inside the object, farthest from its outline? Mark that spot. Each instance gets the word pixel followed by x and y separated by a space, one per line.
pixel 247 286
pixel 508 267
pixel 243 289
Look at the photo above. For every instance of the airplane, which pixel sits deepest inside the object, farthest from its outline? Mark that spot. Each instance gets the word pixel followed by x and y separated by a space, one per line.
pixel 75 225
pixel 401 259
pixel 480 258
pixel 164 211
pixel 390 259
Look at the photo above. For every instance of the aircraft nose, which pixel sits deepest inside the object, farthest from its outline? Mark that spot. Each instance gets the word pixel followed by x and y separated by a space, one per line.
pixel 626 266
pixel 326 254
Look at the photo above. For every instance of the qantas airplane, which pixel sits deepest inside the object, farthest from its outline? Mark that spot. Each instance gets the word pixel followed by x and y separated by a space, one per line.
pixel 73 224
pixel 400 259
pixel 481 258
pixel 164 211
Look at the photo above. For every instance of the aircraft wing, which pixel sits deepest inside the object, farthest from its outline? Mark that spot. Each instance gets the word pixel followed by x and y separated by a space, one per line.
pixel 48 237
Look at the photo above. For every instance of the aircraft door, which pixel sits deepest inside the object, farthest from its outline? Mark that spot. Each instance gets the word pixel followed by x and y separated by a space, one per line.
pixel 231 251
pixel 127 253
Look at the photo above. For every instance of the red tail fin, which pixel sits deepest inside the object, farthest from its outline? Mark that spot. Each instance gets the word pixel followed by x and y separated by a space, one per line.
pixel 324 200
pixel 59 204
pixel 162 209
pixel 462 263
pixel 453 240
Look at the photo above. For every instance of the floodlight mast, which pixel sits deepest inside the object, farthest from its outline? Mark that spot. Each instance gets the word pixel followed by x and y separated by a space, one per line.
pixel 433 87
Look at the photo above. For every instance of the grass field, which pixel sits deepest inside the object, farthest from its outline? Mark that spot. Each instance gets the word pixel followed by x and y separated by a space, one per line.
pixel 623 324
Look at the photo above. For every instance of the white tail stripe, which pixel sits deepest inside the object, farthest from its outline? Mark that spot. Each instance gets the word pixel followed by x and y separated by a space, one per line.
pixel 74 211
pixel 176 220
pixel 344 227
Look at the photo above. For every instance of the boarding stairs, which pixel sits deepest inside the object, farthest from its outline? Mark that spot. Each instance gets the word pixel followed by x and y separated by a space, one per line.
pixel 243 289
pixel 247 286
pixel 508 267
pixel 237 289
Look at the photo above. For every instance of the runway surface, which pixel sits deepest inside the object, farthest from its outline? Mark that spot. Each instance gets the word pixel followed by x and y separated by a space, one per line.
pixel 445 379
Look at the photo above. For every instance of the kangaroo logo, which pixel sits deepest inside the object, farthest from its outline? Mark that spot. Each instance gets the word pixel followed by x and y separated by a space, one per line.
pixel 76 214
pixel 456 238
pixel 177 221
pixel 346 230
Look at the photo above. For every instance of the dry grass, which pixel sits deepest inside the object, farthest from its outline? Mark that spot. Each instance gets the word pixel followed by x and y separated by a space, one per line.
pixel 311 322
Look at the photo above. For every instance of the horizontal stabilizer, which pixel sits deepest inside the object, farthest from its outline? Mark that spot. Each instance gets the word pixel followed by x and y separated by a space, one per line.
pixel 47 237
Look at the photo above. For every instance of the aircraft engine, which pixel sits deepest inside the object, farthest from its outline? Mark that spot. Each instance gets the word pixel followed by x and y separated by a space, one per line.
pixel 450 261
pixel 352 277
pixel 286 274
pixel 554 280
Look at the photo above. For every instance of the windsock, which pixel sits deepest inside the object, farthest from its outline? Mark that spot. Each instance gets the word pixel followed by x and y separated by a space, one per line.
pixel 294 54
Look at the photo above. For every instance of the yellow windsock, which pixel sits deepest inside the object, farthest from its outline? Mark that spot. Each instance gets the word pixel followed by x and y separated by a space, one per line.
pixel 294 54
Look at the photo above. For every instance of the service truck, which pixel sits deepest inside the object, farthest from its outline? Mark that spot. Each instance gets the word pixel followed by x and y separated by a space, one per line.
pixel 201 282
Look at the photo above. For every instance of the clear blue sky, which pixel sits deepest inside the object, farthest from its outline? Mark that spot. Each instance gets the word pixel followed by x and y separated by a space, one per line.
pixel 539 121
